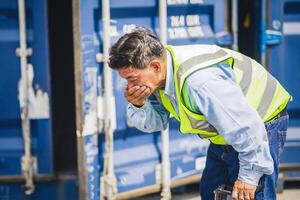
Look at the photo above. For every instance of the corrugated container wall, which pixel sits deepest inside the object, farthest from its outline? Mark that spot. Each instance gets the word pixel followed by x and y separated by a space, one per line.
pixel 66 62
pixel 282 59
pixel 27 39
pixel 11 81
pixel 136 155
pixel 269 32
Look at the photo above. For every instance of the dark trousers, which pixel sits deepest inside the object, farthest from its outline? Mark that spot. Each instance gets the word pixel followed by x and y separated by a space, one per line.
pixel 222 163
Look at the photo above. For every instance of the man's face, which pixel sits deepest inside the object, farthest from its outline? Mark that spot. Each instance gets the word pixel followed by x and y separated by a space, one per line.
pixel 148 77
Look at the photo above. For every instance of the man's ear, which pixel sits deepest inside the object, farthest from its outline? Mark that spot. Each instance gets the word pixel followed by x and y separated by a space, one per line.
pixel 155 65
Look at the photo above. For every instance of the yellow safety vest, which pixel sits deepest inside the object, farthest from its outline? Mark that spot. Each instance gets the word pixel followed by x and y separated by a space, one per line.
pixel 261 89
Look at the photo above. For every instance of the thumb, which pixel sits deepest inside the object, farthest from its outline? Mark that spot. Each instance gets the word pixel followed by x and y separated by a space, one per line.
pixel 235 193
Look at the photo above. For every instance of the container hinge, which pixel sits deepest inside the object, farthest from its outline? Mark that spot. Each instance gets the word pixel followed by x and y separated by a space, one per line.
pixel 273 37
pixel 29 168
pixel 158 174
pixel 108 180
pixel 100 106
pixel 28 162
pixel 108 187
pixel 165 193
pixel 27 52
pixel 100 58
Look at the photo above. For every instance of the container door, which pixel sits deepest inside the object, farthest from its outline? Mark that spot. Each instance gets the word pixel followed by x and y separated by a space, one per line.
pixel 283 37
pixel 11 139
pixel 137 155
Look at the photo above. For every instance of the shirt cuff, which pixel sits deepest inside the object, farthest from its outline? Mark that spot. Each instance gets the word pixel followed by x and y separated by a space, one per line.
pixel 250 176
pixel 140 108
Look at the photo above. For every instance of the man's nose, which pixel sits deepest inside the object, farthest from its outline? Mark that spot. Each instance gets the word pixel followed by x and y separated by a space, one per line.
pixel 129 84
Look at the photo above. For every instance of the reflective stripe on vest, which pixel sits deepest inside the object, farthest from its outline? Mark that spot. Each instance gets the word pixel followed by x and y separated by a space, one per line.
pixel 203 125
pixel 259 86
pixel 199 62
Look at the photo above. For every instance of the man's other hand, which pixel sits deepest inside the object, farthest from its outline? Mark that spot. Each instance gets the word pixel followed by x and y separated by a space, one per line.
pixel 243 191
pixel 137 95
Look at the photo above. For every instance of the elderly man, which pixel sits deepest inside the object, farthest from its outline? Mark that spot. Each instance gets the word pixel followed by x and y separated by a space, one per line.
pixel 220 95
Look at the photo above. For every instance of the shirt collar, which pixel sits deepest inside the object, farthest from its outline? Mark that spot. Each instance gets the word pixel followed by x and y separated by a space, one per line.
pixel 169 87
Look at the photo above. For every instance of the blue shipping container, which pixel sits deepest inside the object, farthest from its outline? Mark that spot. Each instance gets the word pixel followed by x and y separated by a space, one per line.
pixel 137 155
pixel 54 175
pixel 11 140
pixel 282 57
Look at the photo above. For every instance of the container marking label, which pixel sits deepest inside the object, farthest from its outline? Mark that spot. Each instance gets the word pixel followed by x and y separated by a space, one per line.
pixel 291 28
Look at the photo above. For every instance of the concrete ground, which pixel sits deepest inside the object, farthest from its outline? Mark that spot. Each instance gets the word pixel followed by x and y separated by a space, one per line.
pixel 291 192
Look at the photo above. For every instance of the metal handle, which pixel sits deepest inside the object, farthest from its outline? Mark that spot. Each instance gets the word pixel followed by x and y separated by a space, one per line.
pixel 28 162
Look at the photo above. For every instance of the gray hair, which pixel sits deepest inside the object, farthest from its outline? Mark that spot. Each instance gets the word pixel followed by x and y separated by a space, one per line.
pixel 135 49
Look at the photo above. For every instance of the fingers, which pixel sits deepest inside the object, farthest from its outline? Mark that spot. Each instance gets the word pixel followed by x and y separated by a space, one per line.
pixel 252 194
pixel 137 94
pixel 249 191
pixel 146 92
pixel 241 195
pixel 246 195
pixel 235 193
pixel 243 191
pixel 132 90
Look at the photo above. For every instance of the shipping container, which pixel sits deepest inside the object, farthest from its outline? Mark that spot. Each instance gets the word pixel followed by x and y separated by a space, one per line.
pixel 269 31
pixel 77 110
pixel 282 52
pixel 37 143
pixel 12 81
pixel 127 161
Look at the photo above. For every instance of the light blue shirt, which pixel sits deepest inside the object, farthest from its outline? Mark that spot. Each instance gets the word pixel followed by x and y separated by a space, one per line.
pixel 215 93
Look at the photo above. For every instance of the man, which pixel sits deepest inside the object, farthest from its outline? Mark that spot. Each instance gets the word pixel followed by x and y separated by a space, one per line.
pixel 217 93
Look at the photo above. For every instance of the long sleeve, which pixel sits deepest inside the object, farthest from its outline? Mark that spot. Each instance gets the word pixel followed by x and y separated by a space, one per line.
pixel 221 100
pixel 151 117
